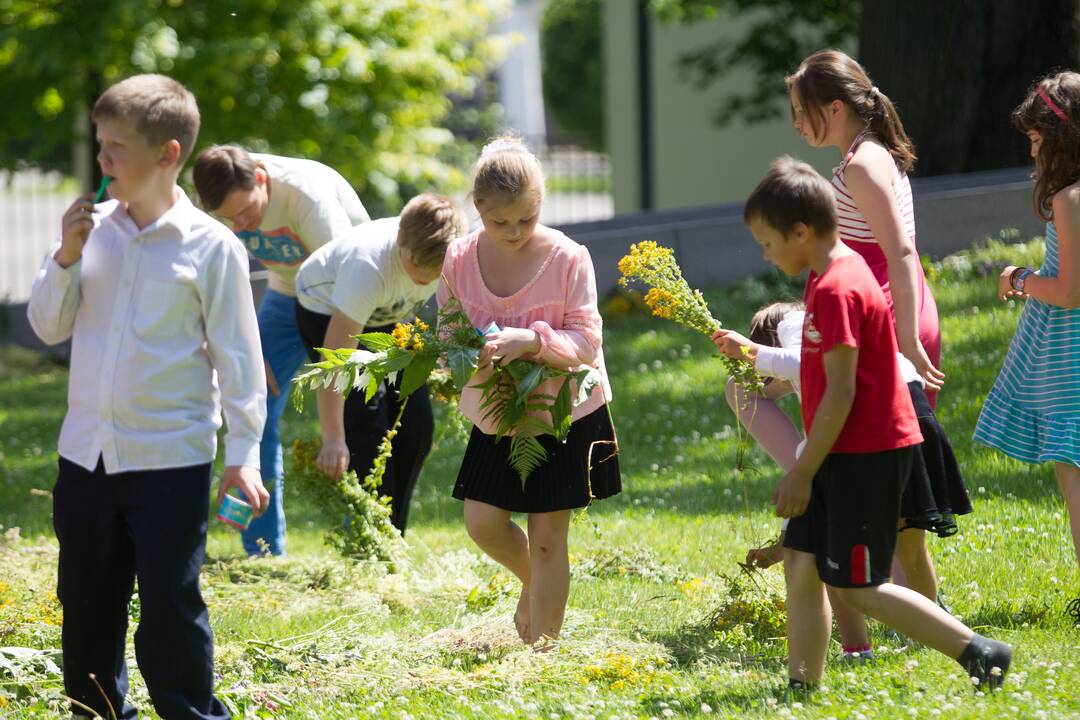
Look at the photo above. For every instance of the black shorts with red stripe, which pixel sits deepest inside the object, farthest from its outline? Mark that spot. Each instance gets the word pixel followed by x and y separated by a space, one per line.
pixel 850 525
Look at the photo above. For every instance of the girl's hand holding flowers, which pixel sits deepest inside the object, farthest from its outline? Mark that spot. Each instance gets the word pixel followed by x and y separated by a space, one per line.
pixel 507 345
pixel 734 345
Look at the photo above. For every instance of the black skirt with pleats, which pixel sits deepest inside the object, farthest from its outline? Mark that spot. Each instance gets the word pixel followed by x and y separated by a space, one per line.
pixel 935 493
pixel 562 482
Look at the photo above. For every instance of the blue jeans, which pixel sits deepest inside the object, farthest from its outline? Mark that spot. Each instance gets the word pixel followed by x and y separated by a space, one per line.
pixel 284 351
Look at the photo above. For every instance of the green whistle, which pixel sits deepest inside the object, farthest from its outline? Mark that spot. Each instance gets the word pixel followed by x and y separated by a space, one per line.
pixel 101 190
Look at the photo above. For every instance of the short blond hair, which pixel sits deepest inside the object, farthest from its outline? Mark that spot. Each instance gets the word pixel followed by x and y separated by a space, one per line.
pixel 427 225
pixel 159 108
pixel 506 171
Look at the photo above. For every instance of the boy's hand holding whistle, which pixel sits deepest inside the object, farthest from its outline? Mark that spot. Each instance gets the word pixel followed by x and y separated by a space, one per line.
pixel 77 223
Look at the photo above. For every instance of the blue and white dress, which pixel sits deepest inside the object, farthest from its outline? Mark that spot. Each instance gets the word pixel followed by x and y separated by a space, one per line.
pixel 1033 411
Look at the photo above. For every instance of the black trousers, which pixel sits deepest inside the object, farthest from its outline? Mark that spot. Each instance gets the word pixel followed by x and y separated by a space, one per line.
pixel 366 424
pixel 151 525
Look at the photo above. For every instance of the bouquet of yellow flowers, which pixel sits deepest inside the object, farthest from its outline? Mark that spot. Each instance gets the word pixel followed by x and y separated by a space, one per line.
pixel 671 297
pixel 414 351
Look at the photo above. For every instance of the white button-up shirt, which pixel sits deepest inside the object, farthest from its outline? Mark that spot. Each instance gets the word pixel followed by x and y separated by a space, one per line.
pixel 158 318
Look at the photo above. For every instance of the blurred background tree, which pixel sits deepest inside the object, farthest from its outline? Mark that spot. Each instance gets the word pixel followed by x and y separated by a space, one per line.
pixel 955 69
pixel 573 68
pixel 365 86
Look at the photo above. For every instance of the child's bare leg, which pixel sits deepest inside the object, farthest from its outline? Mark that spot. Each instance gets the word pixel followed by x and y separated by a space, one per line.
pixel 766 423
pixel 550 572
pixel 808 617
pixel 1068 478
pixel 914 558
pixel 506 543
pixel 850 622
pixel 911 614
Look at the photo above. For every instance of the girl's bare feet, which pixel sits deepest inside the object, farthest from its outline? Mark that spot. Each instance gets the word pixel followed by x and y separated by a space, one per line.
pixel 521 616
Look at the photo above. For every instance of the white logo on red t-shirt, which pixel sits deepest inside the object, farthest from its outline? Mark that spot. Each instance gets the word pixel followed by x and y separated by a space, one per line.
pixel 810 331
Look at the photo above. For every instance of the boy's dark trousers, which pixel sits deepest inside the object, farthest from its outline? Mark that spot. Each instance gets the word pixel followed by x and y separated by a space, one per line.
pixel 367 422
pixel 148 524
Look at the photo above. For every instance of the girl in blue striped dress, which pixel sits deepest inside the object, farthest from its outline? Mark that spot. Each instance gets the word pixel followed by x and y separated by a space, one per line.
pixel 1033 410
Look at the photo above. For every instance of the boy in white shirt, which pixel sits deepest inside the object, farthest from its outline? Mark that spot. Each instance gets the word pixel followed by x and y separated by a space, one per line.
pixel 282 209
pixel 368 281
pixel 155 297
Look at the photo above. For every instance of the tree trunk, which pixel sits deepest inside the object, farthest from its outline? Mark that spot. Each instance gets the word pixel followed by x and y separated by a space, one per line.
pixel 957 68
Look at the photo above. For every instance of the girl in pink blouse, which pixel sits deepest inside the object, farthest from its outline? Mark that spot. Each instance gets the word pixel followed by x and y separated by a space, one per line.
pixel 538 286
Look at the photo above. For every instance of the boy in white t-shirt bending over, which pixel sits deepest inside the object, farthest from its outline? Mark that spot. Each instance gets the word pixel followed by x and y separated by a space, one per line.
pixel 367 281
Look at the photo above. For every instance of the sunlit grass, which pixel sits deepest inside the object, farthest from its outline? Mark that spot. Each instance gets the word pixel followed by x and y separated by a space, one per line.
pixel 656 626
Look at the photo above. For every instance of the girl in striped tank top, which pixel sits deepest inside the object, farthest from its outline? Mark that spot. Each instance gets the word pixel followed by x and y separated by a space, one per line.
pixel 1033 411
pixel 833 103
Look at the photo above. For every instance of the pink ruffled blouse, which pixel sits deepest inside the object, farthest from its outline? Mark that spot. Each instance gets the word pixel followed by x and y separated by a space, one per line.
pixel 559 303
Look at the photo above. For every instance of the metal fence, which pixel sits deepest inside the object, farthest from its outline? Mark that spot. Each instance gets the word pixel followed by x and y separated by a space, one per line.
pixel 31 205
pixel 579 185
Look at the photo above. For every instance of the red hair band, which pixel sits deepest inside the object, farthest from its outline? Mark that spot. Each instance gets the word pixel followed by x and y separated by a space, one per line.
pixel 1052 105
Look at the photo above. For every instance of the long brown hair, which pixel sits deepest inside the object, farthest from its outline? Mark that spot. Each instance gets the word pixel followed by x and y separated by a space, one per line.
pixel 830 75
pixel 1057 164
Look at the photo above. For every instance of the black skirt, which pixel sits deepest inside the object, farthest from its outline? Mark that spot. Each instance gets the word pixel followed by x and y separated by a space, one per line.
pixel 935 492
pixel 562 482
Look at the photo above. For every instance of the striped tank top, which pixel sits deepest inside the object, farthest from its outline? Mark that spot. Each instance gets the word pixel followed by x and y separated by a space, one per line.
pixel 854 230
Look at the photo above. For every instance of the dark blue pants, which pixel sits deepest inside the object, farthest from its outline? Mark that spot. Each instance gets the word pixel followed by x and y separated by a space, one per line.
pixel 113 528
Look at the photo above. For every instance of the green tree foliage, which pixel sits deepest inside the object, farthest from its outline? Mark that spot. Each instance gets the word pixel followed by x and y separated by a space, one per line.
pixel 778 35
pixel 573 68
pixel 362 85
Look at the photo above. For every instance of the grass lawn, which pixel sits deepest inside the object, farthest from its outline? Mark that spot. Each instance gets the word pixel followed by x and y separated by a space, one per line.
pixel 661 623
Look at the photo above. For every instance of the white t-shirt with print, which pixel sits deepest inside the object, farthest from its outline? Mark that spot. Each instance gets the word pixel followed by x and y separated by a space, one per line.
pixel 310 204
pixel 361 275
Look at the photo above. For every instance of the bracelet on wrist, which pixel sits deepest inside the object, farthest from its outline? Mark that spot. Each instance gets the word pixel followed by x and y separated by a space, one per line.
pixel 1019 277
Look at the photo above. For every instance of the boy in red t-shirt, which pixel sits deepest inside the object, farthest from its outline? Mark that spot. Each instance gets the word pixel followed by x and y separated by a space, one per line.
pixel 843 494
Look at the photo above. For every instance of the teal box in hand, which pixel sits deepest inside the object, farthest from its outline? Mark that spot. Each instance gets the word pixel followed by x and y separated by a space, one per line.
pixel 234 511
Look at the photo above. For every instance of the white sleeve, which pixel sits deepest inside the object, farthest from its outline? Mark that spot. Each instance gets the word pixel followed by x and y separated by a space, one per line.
pixel 54 299
pixel 232 341
pixel 777 362
pixel 908 371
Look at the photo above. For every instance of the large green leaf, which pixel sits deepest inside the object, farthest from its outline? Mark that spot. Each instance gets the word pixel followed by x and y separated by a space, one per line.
pixel 462 363
pixel 376 341
pixel 529 381
pixel 562 411
pixel 417 373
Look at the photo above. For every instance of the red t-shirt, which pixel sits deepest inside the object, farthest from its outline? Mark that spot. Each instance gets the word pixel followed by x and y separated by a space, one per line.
pixel 846 306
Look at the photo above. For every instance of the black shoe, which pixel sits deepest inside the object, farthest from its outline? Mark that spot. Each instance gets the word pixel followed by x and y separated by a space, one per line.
pixel 1072 609
pixel 986 662
pixel 797 691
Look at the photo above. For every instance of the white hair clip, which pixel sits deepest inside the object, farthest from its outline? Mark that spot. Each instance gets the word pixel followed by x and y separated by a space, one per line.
pixel 501 144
